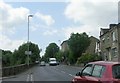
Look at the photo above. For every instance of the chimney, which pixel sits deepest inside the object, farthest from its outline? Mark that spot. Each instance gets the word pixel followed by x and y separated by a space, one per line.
pixel 112 25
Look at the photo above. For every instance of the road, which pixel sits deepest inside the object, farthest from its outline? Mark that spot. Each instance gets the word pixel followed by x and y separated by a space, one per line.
pixel 47 73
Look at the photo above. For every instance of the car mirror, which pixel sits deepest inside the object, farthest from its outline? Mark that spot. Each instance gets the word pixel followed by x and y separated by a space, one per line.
pixel 78 74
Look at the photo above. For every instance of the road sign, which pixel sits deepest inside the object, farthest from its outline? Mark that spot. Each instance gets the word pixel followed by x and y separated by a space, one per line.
pixel 28 52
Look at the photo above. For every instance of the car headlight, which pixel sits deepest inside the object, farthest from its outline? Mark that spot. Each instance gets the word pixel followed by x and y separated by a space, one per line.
pixel 74 80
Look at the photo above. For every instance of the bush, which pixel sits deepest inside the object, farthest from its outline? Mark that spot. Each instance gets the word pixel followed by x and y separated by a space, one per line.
pixel 85 58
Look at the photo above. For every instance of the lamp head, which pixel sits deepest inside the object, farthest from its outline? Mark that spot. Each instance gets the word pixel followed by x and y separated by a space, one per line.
pixel 30 15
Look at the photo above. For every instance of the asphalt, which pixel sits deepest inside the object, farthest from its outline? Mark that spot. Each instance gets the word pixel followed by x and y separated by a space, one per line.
pixel 46 73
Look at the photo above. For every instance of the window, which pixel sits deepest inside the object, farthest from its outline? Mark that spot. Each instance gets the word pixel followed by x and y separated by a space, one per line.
pixel 103 39
pixel 113 36
pixel 108 38
pixel 116 71
pixel 87 70
pixel 114 52
pixel 98 71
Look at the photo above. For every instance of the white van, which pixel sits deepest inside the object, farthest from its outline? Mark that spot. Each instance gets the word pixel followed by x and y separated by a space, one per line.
pixel 52 61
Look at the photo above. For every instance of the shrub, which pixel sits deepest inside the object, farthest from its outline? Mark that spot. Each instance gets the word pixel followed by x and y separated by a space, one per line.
pixel 85 58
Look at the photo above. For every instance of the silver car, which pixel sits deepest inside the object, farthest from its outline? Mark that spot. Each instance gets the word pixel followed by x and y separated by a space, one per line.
pixel 42 63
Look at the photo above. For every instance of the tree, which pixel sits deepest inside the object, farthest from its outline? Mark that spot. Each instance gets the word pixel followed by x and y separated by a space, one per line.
pixel 78 43
pixel 21 58
pixel 59 56
pixel 51 50
pixel 35 52
pixel 6 58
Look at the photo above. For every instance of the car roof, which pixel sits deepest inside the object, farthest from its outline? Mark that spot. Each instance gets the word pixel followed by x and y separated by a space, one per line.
pixel 105 63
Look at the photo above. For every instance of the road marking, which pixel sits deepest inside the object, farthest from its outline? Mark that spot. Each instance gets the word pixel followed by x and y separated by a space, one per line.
pixel 31 77
pixel 68 74
pixel 71 75
pixel 28 77
pixel 63 71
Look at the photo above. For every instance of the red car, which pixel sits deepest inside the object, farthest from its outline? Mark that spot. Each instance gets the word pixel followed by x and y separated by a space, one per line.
pixel 99 72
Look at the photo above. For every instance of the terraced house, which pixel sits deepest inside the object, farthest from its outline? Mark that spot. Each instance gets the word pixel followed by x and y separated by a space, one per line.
pixel 110 42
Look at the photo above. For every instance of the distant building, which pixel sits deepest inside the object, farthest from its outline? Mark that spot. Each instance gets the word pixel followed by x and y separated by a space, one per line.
pixel 94 47
pixel 64 46
pixel 110 42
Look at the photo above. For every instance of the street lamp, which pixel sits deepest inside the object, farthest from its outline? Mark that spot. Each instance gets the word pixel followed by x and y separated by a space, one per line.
pixel 28 52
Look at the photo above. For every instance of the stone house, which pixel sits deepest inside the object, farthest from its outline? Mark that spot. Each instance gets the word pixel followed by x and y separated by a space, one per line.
pixel 64 46
pixel 110 42
pixel 94 47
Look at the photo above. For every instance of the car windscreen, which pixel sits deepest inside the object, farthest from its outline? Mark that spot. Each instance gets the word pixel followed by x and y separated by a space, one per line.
pixel 42 62
pixel 116 71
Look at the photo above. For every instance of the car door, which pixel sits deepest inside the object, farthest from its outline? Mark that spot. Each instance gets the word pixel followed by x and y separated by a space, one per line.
pixel 92 73
pixel 97 74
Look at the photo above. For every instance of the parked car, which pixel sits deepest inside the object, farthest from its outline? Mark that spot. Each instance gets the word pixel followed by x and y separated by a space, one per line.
pixel 42 63
pixel 99 72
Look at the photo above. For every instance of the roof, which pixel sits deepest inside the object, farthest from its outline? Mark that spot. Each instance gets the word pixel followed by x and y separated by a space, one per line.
pixel 106 30
pixel 92 37
pixel 64 42
pixel 105 62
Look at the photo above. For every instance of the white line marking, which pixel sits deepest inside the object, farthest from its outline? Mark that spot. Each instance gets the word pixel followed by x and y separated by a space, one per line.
pixel 31 77
pixel 28 78
pixel 71 75
pixel 63 71
pixel 68 73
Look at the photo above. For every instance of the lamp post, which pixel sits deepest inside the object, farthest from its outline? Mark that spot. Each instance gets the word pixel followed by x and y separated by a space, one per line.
pixel 28 52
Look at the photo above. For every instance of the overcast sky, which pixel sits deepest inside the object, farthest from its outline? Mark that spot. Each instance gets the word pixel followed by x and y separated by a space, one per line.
pixel 53 21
